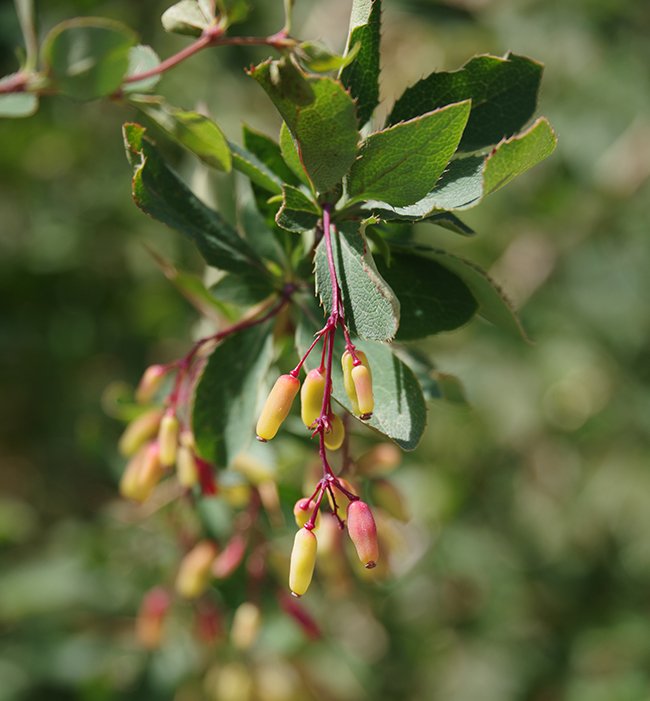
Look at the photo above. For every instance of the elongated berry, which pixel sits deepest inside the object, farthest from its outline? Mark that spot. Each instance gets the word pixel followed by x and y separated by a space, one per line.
pixel 363 532
pixel 303 560
pixel 139 431
pixel 350 385
pixel 379 460
pixel 149 624
pixel 150 383
pixel 187 471
pixel 142 473
pixel 194 571
pixel 311 397
pixel 303 510
pixel 277 406
pixel 168 438
pixel 362 380
pixel 386 495
pixel 245 625
pixel 336 435
pixel 229 559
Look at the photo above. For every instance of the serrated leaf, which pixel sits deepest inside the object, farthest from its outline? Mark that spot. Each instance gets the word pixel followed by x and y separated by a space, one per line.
pixel 372 310
pixel 141 59
pixel 88 57
pixel 446 220
pixel 503 92
pixel 361 76
pixel 196 132
pixel 401 164
pixel 256 171
pixel 159 192
pixel 297 213
pixel 21 104
pixel 400 411
pixel 468 180
pixel 188 17
pixel 432 299
pixel 242 290
pixel 323 123
pixel 228 392
pixel 291 157
pixel 268 151
pixel 493 303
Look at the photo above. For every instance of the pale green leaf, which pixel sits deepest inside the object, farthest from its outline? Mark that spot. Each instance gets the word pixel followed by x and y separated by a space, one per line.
pixel 188 17
pixel 141 59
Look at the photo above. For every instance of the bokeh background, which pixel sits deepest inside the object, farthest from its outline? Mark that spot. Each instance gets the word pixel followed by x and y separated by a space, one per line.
pixel 529 576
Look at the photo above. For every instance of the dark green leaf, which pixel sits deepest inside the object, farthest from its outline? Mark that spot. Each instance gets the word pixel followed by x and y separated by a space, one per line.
pixel 451 222
pixel 371 308
pixel 361 77
pixel 268 151
pixel 401 164
pixel 242 290
pixel 194 131
pixel 432 299
pixel 435 384
pixel 228 392
pixel 188 17
pixel 493 304
pixel 298 213
pixel 256 171
pixel 260 236
pixel 400 410
pixel 468 180
pixel 141 59
pixel 159 192
pixel 321 116
pixel 88 57
pixel 503 92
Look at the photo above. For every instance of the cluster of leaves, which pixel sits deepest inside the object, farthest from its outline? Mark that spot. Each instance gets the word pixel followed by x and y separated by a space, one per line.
pixel 449 141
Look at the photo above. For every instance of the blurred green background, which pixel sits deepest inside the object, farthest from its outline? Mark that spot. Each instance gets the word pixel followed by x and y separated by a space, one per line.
pixel 528 571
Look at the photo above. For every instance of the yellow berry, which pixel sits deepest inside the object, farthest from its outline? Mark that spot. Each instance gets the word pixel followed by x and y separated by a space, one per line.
pixel 194 572
pixel 303 560
pixel 311 397
pixel 139 431
pixel 335 436
pixel 187 472
pixel 277 406
pixel 303 510
pixel 168 439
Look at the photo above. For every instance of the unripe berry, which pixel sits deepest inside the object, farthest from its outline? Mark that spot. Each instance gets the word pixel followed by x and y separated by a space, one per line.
pixel 245 625
pixel 277 406
pixel 303 560
pixel 363 385
pixel 386 495
pixel 168 438
pixel 335 436
pixel 303 510
pixel 150 383
pixel 139 431
pixel 151 618
pixel 195 570
pixel 311 397
pixel 229 559
pixel 379 460
pixel 187 471
pixel 142 473
pixel 363 533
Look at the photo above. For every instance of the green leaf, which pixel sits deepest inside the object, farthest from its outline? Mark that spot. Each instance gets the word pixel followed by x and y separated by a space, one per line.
pixel 242 290
pixel 435 385
pixel 298 213
pixel 400 411
pixel 141 59
pixel 401 164
pixel 315 57
pixel 361 76
pixel 194 131
pixel 159 192
pixel 88 57
pixel 291 156
pixel 228 392
pixel 468 180
pixel 493 303
pixel 268 151
pixel 503 92
pixel 188 17
pixel 321 117
pixel 260 236
pixel 256 171
pixel 449 221
pixel 371 308
pixel 432 299
pixel 20 104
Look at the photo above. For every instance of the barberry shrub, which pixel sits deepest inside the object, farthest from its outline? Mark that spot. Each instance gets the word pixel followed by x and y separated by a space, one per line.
pixel 321 286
